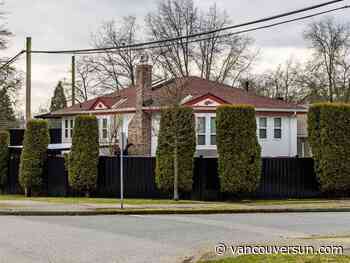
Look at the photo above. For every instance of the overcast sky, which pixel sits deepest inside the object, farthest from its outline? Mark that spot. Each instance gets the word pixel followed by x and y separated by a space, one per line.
pixel 67 24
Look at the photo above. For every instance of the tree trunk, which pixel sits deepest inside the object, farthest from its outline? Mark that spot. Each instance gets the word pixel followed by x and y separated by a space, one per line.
pixel 176 173
pixel 27 192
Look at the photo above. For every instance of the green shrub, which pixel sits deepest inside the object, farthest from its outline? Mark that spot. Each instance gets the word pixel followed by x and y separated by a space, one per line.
pixel 176 135
pixel 329 133
pixel 36 140
pixel 82 161
pixel 238 149
pixel 4 158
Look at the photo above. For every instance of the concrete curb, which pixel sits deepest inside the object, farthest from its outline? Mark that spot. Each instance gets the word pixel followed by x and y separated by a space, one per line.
pixel 168 211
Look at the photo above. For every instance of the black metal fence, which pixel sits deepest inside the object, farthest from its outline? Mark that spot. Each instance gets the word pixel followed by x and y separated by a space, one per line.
pixel 281 178
pixel 17 136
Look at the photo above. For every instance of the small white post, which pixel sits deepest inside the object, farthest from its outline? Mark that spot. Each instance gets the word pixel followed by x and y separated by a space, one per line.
pixel 121 146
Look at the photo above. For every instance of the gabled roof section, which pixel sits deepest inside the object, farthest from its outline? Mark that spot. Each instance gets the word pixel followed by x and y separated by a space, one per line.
pixel 206 100
pixel 196 92
pixel 99 105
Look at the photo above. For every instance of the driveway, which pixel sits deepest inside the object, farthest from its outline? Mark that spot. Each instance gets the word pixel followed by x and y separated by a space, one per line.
pixel 156 238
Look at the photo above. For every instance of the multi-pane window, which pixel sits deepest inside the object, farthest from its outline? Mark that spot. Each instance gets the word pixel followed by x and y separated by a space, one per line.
pixel 206 130
pixel 66 129
pixel 104 128
pixel 212 131
pixel 263 128
pixel 71 128
pixel 201 130
pixel 277 132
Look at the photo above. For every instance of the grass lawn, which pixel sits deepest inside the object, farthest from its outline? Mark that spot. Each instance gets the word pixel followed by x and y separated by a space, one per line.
pixel 242 204
pixel 283 259
pixel 84 200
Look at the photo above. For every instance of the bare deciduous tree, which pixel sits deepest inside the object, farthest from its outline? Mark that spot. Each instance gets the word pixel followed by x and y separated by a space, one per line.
pixel 329 41
pixel 173 18
pixel 115 69
pixel 222 59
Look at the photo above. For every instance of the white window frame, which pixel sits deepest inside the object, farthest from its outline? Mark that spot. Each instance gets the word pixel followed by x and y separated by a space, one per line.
pixel 263 128
pixel 71 127
pixel 100 120
pixel 67 128
pixel 277 128
pixel 208 133
pixel 104 129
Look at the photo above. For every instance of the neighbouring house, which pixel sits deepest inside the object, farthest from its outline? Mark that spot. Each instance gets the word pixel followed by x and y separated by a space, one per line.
pixel 136 111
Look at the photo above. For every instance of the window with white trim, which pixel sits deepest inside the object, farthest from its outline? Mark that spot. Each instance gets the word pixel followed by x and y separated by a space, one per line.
pixel 206 130
pixel 277 131
pixel 71 127
pixel 213 131
pixel 66 129
pixel 104 128
pixel 201 131
pixel 263 128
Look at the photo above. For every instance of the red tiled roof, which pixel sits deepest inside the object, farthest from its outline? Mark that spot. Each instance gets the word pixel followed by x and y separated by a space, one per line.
pixel 194 86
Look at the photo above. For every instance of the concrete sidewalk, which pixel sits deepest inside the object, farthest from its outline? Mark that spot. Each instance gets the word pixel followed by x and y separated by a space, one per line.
pixel 30 207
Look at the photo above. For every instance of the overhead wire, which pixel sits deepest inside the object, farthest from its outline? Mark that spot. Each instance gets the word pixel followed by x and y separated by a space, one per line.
pixel 187 37
pixel 223 35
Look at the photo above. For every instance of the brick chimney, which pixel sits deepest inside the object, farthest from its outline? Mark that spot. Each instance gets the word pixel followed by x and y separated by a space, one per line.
pixel 139 134
pixel 143 84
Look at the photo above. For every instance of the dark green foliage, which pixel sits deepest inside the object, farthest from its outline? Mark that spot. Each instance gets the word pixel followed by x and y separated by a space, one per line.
pixel 36 140
pixel 7 115
pixel 238 149
pixel 176 134
pixel 82 161
pixel 58 100
pixel 329 133
pixel 4 157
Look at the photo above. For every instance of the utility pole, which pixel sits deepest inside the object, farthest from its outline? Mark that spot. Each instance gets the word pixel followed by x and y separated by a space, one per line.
pixel 121 146
pixel 73 80
pixel 28 79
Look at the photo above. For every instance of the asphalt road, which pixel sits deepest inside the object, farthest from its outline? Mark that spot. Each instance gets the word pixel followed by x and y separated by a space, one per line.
pixel 156 238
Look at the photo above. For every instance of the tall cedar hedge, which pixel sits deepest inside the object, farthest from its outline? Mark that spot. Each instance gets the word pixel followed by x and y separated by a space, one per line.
pixel 329 133
pixel 36 140
pixel 176 124
pixel 82 161
pixel 238 149
pixel 4 158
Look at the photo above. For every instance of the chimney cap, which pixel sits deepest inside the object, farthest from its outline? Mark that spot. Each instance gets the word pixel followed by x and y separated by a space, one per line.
pixel 144 58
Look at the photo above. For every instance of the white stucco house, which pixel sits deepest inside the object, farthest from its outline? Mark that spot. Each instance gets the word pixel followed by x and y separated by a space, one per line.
pixel 136 110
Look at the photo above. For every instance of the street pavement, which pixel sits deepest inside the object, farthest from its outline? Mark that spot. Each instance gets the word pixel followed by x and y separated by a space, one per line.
pixel 152 238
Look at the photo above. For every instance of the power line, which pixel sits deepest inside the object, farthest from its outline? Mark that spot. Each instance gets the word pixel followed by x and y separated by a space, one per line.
pixel 192 35
pixel 13 59
pixel 228 34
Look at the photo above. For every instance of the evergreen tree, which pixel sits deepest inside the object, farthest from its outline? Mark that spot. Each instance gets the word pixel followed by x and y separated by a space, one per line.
pixel 58 100
pixel 7 115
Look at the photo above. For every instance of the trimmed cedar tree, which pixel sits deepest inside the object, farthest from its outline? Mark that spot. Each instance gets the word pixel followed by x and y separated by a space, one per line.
pixel 238 149
pixel 177 127
pixel 82 161
pixel 36 140
pixel 4 158
pixel 329 133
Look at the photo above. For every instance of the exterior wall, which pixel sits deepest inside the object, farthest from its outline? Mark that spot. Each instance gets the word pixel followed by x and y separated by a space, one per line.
pixel 154 134
pixel 139 134
pixel 119 121
pixel 284 147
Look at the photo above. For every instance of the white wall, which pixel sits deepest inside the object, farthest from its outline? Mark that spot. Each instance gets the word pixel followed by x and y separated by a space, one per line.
pixel 284 147
pixel 155 131
pixel 126 118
